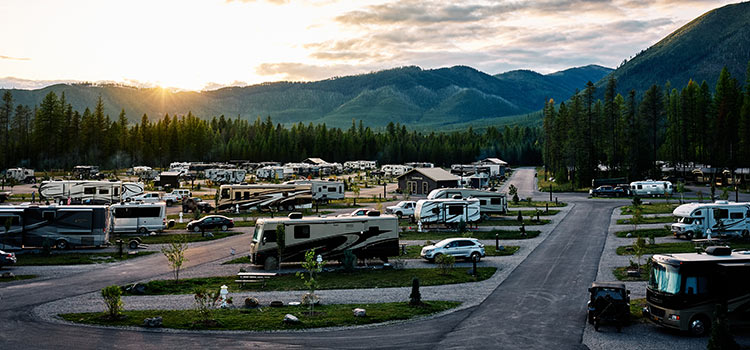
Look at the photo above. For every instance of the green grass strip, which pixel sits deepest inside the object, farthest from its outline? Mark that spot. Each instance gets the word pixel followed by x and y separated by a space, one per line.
pixel 657 232
pixel 485 235
pixel 74 258
pixel 16 278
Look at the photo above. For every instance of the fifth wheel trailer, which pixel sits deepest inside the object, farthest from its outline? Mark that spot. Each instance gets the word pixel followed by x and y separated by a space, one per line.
pixel 89 192
pixel 490 202
pixel 260 197
pixel 447 211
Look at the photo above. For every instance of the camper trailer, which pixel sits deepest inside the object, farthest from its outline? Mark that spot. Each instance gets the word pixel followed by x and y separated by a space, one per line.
pixel 138 217
pixel 262 197
pixel 490 202
pixel 87 172
pixel 21 175
pixel 651 188
pixel 372 235
pixel 322 190
pixel 145 173
pixel 395 169
pixel 270 172
pixel 694 220
pixel 60 226
pixel 447 211
pixel 89 192
pixel 225 176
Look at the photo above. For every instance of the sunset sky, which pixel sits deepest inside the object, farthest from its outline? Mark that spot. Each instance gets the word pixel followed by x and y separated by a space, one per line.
pixel 207 44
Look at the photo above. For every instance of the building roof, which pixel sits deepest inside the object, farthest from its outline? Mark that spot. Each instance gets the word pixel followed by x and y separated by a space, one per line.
pixel 317 161
pixel 436 174
pixel 493 160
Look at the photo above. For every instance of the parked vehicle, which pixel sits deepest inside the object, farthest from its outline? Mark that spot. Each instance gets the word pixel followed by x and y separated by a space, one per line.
pixel 609 302
pixel 468 248
pixel 684 289
pixel 263 197
pixel 21 175
pixel 610 191
pixel 139 217
pixel 175 196
pixel 225 176
pixel 650 188
pixel 447 211
pixel 721 218
pixel 211 222
pixel 322 191
pixel 357 212
pixel 403 208
pixel 60 226
pixel 87 172
pixel 89 191
pixel 148 197
pixel 191 204
pixel 369 236
pixel 395 170
pixel 490 202
pixel 7 258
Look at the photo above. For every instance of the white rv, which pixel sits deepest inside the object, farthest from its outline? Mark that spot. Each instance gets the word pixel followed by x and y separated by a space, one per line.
pixel 490 202
pixel 261 197
pixel 650 188
pixel 270 172
pixel 721 218
pixel 21 175
pixel 138 217
pixel 89 192
pixel 226 176
pixel 183 168
pixel 372 235
pixel 447 211
pixel 322 190
pixel 395 169
pixel 145 172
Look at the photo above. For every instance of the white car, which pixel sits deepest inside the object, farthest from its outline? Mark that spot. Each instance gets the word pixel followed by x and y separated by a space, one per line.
pixel 148 197
pixel 468 248
pixel 176 196
pixel 403 208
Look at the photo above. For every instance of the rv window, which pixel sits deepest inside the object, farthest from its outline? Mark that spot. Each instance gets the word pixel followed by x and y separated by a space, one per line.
pixel 435 210
pixel 301 232
pixel 225 193
pixel 640 187
pixel 14 220
pixel 89 190
pixel 246 195
pixel 341 189
pixel 270 236
pixel 320 189
pixel 696 285
pixel 123 213
pixel 455 209
pixel 48 215
pixel 237 195
pixel 103 191
pixel 697 213
pixel 735 215
pixel 149 212
pixel 721 213
pixel 495 201
pixel 116 191
pixel 482 202
pixel 331 189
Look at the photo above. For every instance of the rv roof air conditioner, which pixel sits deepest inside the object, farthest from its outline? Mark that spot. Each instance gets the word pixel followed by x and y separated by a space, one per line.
pixel 295 215
pixel 373 213
pixel 719 250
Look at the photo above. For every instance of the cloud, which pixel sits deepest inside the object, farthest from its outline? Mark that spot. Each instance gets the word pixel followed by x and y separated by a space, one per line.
pixel 27 84
pixel 275 2
pixel 293 71
pixel 422 12
pixel 14 58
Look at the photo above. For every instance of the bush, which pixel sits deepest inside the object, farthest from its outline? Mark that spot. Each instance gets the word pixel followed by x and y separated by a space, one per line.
pixel 520 217
pixel 349 261
pixel 205 302
pixel 445 263
pixel 462 226
pixel 415 298
pixel 112 296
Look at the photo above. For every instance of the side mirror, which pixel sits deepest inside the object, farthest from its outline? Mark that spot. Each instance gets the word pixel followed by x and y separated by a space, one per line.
pixel 264 240
pixel 627 291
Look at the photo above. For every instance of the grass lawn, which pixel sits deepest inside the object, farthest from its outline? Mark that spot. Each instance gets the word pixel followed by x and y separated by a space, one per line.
pixel 653 208
pixel 328 280
pixel 622 275
pixel 437 235
pixel 544 184
pixel 671 248
pixel 74 258
pixel 513 222
pixel 527 213
pixel 535 204
pixel 412 251
pixel 16 278
pixel 636 310
pixel 189 237
pixel 651 220
pixel 270 318
pixel 657 232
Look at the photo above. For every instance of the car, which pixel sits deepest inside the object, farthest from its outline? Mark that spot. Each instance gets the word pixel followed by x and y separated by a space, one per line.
pixel 609 303
pixel 403 208
pixel 210 222
pixel 148 197
pixel 7 258
pixel 190 204
pixel 468 248
pixel 359 212
pixel 176 196
pixel 609 191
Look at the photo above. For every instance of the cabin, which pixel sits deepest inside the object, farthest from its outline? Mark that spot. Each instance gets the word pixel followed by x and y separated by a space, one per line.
pixel 422 181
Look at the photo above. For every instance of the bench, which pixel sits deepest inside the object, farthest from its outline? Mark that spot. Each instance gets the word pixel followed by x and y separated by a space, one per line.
pixel 254 277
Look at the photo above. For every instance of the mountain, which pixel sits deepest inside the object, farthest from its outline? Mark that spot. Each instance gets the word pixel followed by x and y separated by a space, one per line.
pixel 436 98
pixel 697 51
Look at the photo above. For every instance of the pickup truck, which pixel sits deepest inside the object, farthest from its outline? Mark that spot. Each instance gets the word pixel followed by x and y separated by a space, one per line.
pixel 403 208
pixel 175 196
pixel 609 191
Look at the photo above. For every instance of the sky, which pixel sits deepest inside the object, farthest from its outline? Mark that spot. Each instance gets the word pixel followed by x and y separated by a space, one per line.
pixel 208 44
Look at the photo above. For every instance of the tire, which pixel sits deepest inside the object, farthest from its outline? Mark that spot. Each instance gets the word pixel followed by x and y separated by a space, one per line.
pixel 475 257
pixel 224 227
pixel 169 203
pixel 62 244
pixel 196 229
pixel 133 244
pixel 270 263
pixel 399 214
pixel 289 207
pixel 596 325
pixel 143 230
pixel 699 326
pixel 689 235
pixel 436 256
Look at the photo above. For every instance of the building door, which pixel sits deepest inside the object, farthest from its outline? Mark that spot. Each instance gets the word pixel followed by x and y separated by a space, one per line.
pixel 425 187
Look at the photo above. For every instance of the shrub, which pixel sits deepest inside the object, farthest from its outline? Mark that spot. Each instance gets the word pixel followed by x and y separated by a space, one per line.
pixel 415 298
pixel 175 254
pixel 112 300
pixel 349 261
pixel 462 226
pixel 205 302
pixel 445 263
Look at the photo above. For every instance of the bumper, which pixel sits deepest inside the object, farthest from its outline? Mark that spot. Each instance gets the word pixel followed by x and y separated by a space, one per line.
pixel 661 317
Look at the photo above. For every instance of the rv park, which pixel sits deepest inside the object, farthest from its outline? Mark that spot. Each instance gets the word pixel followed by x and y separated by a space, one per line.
pixel 531 287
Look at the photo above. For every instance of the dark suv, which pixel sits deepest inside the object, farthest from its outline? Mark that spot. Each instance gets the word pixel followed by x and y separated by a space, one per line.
pixel 609 303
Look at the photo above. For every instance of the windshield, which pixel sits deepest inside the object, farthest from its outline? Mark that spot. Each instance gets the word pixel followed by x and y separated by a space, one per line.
pixel 258 233
pixel 685 220
pixel 613 293
pixel 665 278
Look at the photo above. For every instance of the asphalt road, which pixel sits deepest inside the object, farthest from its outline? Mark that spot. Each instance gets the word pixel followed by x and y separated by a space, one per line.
pixel 541 305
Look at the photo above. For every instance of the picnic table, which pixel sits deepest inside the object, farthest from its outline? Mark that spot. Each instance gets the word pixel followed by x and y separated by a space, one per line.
pixel 244 278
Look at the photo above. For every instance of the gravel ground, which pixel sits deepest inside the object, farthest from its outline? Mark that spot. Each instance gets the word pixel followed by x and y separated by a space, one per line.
pixel 637 336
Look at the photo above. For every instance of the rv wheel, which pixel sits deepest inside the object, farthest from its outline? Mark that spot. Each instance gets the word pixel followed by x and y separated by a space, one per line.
pixel 62 244
pixel 699 326
pixel 143 230
pixel 271 263
pixel 689 235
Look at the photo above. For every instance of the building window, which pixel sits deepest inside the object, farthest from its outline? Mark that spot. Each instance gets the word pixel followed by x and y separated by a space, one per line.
pixel 425 187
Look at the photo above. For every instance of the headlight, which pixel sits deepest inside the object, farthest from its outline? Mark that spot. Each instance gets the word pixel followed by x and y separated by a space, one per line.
pixel 674 317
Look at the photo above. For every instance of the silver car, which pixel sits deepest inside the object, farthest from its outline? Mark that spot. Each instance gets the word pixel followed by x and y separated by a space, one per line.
pixel 468 248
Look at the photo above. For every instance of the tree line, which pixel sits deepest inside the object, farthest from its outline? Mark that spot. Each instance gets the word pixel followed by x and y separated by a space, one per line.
pixel 53 135
pixel 627 136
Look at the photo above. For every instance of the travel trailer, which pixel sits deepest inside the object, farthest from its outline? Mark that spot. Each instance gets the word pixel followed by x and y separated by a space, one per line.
pixel 721 218
pixel 226 176
pixel 270 172
pixel 138 217
pixel 650 188
pixel 490 202
pixel 87 172
pixel 21 175
pixel 60 226
pixel 322 190
pixel 88 192
pixel 447 211
pixel 369 236
pixel 395 169
pixel 263 197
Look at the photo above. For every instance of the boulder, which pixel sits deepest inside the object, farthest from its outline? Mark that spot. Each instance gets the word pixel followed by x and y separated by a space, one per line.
pixel 277 303
pixel 359 312
pixel 8 275
pixel 153 322
pixel 251 302
pixel 289 318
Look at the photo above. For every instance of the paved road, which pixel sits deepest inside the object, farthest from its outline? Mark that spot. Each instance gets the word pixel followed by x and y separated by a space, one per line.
pixel 540 305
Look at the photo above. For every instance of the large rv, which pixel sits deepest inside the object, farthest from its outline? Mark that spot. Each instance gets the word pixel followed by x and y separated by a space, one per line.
pixel 322 190
pixel 89 192
pixel 448 211
pixel 87 172
pixel 138 217
pixel 21 175
pixel 373 235
pixel 684 289
pixel 61 226
pixel 225 176
pixel 260 197
pixel 490 202
pixel 721 217
pixel 650 188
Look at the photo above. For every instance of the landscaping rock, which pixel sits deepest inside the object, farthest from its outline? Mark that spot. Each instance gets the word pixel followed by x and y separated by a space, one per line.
pixel 8 275
pixel 277 303
pixel 289 318
pixel 137 288
pixel 153 322
pixel 251 302
pixel 359 312
pixel 629 235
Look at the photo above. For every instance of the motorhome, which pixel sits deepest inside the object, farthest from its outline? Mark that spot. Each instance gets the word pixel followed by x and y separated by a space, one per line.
pixel 144 172
pixel 684 289
pixel 270 172
pixel 323 191
pixel 360 165
pixel 89 192
pixel 447 211
pixel 651 188
pixel 182 168
pixel 21 175
pixel 262 197
pixel 369 236
pixel 226 176
pixel 490 202
pixel 87 172
pixel 694 220
pixel 138 217
pixel 395 169
pixel 60 226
